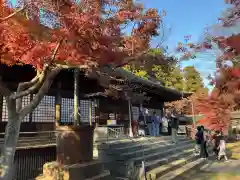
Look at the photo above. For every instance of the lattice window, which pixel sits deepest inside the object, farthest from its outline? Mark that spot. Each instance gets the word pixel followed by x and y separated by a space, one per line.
pixel 45 111
pixel 4 110
pixel 67 111
pixel 1 105
pixel 25 102
pixel 135 112
pixel 93 111
pixel 84 110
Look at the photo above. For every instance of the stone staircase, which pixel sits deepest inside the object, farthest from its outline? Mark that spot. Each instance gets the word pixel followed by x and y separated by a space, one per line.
pixel 158 157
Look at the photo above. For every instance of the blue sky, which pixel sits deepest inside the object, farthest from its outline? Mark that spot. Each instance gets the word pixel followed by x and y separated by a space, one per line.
pixel 189 17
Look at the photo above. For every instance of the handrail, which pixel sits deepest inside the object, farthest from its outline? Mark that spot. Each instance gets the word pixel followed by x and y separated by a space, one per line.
pixel 125 135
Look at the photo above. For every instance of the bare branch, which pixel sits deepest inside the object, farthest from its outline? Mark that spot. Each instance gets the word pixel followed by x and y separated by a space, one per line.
pixel 13 14
pixel 25 85
pixel 37 81
pixel 20 92
pixel 51 74
pixel 56 50
pixel 132 58
pixel 3 88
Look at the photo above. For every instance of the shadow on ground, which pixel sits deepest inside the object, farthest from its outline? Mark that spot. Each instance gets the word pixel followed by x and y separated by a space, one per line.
pixel 218 170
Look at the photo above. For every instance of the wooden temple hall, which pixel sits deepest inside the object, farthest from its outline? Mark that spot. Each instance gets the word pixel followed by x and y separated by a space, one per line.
pixel 109 94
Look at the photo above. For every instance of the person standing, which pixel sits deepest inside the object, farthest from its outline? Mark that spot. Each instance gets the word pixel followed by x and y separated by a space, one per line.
pixel 174 127
pixel 217 137
pixel 203 151
pixel 149 125
pixel 198 138
pixel 169 128
pixel 222 149
pixel 141 124
pixel 155 124
pixel 160 125
pixel 164 125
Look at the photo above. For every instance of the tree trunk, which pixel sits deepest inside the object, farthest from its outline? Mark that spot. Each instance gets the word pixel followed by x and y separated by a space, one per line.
pixel 10 142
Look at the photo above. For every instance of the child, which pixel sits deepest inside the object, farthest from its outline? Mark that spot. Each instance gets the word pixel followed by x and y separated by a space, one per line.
pixel 217 137
pixel 238 133
pixel 222 149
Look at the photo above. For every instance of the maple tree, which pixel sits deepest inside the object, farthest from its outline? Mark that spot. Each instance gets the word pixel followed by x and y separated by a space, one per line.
pixel 61 34
pixel 225 95
pixel 188 105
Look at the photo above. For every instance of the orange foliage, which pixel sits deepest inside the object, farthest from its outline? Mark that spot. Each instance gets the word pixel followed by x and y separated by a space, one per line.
pixel 226 93
pixel 89 32
pixel 188 106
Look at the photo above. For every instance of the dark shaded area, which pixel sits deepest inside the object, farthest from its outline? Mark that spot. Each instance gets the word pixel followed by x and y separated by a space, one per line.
pixel 29 162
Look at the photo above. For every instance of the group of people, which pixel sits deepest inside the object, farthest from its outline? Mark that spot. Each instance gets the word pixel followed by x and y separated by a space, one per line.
pixel 155 124
pixel 204 139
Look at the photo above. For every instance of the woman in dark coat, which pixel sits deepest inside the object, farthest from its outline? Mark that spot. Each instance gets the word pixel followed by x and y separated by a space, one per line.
pixel 203 149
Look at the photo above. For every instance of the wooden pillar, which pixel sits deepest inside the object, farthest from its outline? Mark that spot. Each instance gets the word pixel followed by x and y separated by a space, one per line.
pixel 76 96
pixel 1 107
pixel 75 142
pixel 58 104
pixel 130 117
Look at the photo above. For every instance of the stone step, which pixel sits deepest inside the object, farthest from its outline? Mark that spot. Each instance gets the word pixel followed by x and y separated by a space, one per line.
pixel 112 139
pixel 233 147
pixel 85 170
pixel 140 145
pixel 118 143
pixel 159 167
pixel 133 141
pixel 131 167
pixel 173 175
pixel 193 165
pixel 154 151
pixel 103 176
